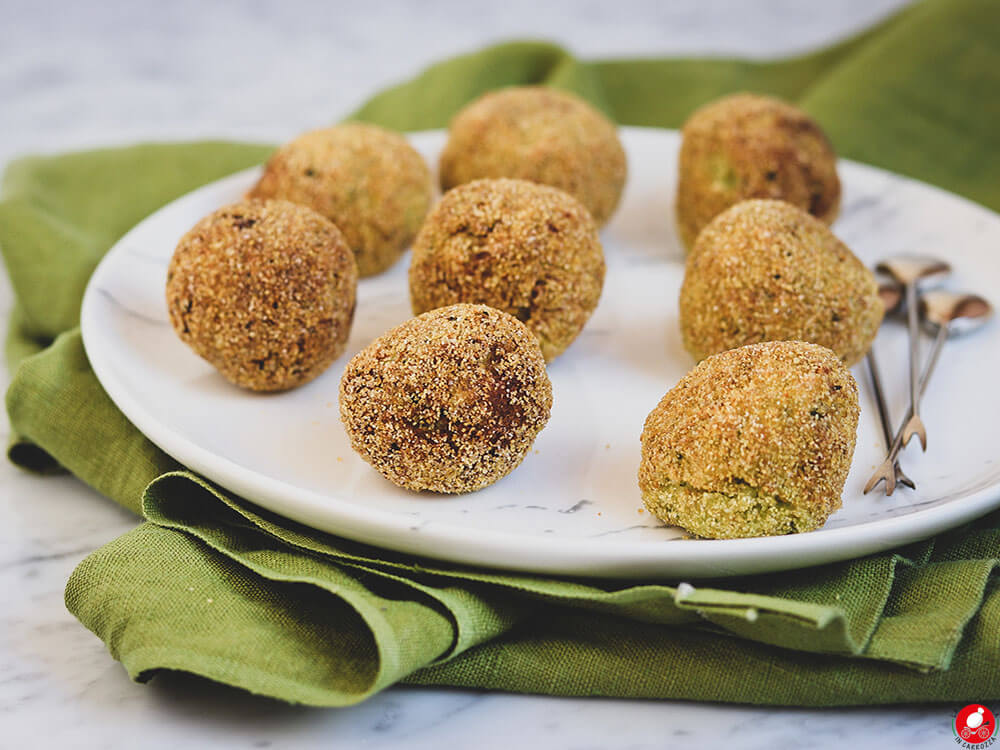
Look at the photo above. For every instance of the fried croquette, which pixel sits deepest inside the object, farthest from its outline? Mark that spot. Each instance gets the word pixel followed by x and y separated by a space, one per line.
pixel 764 270
pixel 368 181
pixel 754 441
pixel 264 291
pixel 748 146
pixel 449 401
pixel 527 249
pixel 538 134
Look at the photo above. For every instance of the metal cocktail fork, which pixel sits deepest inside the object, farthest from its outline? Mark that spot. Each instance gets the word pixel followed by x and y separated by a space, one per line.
pixel 950 315
pixel 911 271
pixel 891 298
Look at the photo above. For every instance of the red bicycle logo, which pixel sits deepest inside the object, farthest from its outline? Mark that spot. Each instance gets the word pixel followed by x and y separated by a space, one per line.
pixel 975 724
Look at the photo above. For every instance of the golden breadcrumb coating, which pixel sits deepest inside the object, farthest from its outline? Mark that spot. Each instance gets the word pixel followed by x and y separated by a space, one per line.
pixel 449 401
pixel 538 134
pixel 765 270
pixel 750 146
pixel 263 290
pixel 754 441
pixel 368 181
pixel 527 249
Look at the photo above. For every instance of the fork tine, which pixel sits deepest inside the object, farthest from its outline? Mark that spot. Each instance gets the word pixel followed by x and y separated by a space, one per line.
pixel 905 480
pixel 885 472
pixel 915 426
pixel 890 482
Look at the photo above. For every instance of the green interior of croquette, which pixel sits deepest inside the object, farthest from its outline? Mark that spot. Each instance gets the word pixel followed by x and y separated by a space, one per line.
pixel 740 511
pixel 723 174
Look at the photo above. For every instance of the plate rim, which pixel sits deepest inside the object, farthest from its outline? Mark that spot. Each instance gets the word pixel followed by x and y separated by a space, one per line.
pixel 441 541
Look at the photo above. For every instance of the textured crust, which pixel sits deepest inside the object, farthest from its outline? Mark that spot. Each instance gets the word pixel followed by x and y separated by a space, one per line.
pixel 538 134
pixel 754 441
pixel 367 180
pixel 527 249
pixel 765 270
pixel 264 291
pixel 449 401
pixel 748 146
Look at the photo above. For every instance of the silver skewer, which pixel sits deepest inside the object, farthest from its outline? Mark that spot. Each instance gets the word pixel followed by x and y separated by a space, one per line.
pixel 911 272
pixel 950 315
pixel 891 297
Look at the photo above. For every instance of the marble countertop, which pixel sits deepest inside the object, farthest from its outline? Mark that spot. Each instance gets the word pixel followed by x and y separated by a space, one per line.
pixel 79 74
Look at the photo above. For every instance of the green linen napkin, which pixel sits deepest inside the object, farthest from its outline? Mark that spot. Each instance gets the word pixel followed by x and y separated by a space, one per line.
pixel 213 585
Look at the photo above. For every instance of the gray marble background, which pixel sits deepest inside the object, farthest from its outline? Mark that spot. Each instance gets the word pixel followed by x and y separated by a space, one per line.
pixel 77 74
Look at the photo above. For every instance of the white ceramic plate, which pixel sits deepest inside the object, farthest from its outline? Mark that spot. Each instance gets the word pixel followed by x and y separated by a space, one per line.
pixel 573 506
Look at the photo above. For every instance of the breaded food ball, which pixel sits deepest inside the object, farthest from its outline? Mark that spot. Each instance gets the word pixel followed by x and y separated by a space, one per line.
pixel 263 290
pixel 538 134
pixel 754 441
pixel 765 270
pixel 527 249
pixel 449 401
pixel 368 181
pixel 749 146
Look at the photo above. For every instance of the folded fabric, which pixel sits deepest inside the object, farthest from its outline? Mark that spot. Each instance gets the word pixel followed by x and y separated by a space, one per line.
pixel 213 585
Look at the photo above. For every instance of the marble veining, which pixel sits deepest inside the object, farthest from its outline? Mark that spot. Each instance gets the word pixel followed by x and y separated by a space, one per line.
pixel 128 311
